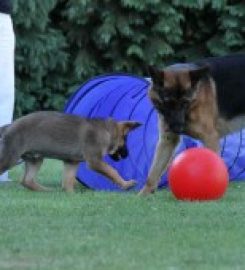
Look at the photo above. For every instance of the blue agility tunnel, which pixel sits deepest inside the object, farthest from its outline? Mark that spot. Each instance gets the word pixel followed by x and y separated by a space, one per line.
pixel 124 97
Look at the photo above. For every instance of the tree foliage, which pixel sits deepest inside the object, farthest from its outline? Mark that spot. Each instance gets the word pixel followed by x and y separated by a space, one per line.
pixel 61 43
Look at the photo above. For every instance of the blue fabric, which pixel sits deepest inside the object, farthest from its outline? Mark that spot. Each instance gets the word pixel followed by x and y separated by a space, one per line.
pixel 124 97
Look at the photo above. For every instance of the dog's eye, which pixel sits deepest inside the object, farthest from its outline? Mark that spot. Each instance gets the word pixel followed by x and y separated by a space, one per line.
pixel 158 86
pixel 166 99
pixel 185 100
pixel 157 105
pixel 185 103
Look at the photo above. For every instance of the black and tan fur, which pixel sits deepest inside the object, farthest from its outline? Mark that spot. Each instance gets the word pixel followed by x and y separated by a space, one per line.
pixel 65 137
pixel 205 100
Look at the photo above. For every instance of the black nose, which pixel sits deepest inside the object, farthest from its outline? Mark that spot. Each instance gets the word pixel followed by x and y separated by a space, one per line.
pixel 177 128
pixel 115 157
pixel 123 152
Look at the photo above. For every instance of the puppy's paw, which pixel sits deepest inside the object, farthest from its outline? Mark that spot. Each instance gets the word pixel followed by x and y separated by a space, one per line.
pixel 128 184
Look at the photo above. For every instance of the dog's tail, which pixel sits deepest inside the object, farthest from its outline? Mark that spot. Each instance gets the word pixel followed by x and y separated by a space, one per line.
pixel 3 129
pixel 3 166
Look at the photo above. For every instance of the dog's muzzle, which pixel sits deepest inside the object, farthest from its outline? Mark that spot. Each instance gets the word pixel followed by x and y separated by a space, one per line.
pixel 121 153
pixel 177 128
pixel 177 121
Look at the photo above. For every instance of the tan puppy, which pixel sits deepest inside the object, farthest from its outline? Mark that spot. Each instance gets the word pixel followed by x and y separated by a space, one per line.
pixel 65 137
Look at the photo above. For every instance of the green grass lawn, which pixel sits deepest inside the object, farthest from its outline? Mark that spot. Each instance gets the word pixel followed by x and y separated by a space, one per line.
pixel 98 230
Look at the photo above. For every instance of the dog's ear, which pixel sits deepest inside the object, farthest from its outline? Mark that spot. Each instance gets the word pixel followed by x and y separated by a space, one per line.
pixel 156 75
pixel 199 73
pixel 127 126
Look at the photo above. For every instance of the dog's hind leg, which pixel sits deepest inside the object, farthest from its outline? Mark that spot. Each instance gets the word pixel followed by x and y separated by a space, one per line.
pixel 31 169
pixel 70 170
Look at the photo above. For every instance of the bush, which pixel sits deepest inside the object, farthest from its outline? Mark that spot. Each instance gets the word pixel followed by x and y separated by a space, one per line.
pixel 61 43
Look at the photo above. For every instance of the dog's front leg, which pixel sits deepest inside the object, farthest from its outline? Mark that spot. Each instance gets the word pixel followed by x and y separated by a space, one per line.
pixel 211 140
pixel 162 157
pixel 105 169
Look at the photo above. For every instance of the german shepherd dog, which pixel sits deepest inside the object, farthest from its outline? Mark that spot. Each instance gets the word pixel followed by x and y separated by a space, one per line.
pixel 204 99
pixel 65 137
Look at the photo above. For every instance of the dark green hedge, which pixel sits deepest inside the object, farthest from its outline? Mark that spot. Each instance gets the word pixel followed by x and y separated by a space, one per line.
pixel 61 43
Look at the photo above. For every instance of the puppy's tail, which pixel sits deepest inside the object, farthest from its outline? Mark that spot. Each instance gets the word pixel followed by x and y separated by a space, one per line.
pixel 3 130
pixel 7 159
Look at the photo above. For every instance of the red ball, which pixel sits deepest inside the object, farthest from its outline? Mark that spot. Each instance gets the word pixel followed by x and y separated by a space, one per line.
pixel 198 174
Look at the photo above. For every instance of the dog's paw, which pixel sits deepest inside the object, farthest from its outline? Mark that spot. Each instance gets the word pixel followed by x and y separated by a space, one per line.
pixel 128 184
pixel 146 190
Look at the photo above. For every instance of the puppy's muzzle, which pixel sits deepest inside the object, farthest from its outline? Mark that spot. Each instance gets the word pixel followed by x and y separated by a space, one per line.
pixel 121 153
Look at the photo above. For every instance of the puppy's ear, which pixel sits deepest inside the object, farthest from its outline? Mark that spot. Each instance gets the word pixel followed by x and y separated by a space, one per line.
pixel 199 73
pixel 156 75
pixel 127 126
